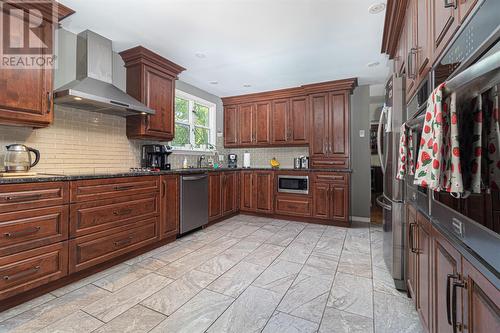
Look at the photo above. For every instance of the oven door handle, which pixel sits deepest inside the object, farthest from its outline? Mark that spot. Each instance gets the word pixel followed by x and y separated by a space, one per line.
pixel 379 140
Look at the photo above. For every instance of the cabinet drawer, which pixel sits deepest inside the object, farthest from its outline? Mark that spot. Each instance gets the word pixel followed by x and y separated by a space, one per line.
pixel 331 177
pixel 93 249
pixel 20 231
pixel 98 189
pixel 26 270
pixel 15 197
pixel 341 163
pixel 94 216
pixel 294 206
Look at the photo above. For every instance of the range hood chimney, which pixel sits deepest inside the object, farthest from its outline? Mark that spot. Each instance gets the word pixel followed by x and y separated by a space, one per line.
pixel 93 89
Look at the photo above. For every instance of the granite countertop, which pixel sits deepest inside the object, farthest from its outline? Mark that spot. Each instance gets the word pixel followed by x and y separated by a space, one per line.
pixel 68 177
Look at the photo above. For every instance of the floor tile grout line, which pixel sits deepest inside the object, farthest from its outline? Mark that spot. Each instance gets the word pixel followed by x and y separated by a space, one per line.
pixel 296 276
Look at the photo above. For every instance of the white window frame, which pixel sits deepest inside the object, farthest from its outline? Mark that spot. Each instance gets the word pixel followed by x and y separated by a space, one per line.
pixel 211 122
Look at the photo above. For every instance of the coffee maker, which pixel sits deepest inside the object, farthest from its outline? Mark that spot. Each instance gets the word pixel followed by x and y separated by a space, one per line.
pixel 155 157
pixel 232 161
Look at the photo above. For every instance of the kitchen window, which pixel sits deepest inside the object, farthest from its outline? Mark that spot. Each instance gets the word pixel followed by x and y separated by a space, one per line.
pixel 194 123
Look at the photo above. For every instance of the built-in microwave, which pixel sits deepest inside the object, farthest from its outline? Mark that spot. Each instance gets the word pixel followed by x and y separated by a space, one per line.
pixel 293 184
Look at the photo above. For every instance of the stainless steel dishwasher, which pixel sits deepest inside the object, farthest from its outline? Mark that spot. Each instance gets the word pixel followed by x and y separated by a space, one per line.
pixel 194 201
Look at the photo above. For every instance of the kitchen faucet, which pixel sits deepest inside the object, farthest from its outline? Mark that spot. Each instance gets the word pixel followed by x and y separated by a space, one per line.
pixel 200 159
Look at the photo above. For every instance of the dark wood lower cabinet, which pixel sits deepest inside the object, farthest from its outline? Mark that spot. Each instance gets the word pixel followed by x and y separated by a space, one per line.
pixel 257 191
pixel 223 194
pixel 331 200
pixel 451 295
pixel 214 196
pixel 169 206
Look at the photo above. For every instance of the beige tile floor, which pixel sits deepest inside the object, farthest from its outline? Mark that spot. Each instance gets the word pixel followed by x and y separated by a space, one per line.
pixel 246 274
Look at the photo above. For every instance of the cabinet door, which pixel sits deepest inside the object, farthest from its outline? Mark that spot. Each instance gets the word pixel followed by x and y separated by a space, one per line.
pixel 262 123
pixel 339 201
pixel 338 145
pixel 231 126
pixel 481 302
pixel 444 23
pixel 247 193
pixel 264 191
pixel 447 267
pixel 318 125
pixel 169 209
pixel 422 37
pixel 465 7
pixel 280 130
pixel 321 200
pixel 25 94
pixel 412 241
pixel 159 92
pixel 214 196
pixel 400 56
pixel 424 271
pixel 299 120
pixel 229 187
pixel 411 66
pixel 246 124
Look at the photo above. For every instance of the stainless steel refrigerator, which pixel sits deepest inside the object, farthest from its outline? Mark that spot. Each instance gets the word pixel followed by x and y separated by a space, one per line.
pixel 392 201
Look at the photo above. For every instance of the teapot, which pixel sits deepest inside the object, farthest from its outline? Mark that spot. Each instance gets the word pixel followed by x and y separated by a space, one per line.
pixel 18 158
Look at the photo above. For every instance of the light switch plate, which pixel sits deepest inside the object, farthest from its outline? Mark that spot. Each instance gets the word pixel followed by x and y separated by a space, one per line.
pixel 361 133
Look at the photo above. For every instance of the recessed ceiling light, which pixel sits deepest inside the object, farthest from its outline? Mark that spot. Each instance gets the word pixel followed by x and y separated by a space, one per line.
pixel 200 55
pixel 376 8
pixel 247 85
pixel 373 64
pixel 77 98
pixel 214 82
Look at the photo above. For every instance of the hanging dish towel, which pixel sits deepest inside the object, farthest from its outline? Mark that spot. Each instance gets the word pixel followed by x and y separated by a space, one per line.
pixel 494 142
pixel 405 161
pixel 438 164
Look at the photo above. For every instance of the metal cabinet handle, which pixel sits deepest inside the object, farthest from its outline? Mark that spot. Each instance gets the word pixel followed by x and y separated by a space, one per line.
pixel 448 295
pixel 122 212
pixel 22 274
pixel 123 241
pixel 411 70
pixel 450 4
pixel 123 188
pixel 454 322
pixel 164 189
pixel 49 102
pixel 26 232
pixel 20 198
pixel 412 238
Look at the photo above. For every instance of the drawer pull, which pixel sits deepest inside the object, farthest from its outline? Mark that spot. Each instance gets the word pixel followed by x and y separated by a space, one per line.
pixel 123 241
pixel 123 188
pixel 21 198
pixel 22 274
pixel 122 212
pixel 26 232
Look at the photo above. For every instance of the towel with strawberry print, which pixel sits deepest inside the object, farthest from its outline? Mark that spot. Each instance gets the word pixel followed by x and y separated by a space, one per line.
pixel 438 164
pixel 405 161
pixel 494 143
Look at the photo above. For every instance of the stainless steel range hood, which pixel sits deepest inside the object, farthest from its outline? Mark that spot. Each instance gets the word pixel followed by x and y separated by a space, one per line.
pixel 93 89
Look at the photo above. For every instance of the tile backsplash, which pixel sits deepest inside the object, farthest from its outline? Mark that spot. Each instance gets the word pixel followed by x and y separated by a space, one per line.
pixel 88 142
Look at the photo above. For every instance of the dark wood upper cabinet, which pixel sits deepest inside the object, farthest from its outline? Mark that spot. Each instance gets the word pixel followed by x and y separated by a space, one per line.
pixel 444 23
pixel 299 120
pixel 246 124
pixel 231 126
pixel 422 12
pixel 411 48
pixel 262 123
pixel 169 208
pixel 26 94
pixel 151 80
pixel 339 125
pixel 319 125
pixel 280 120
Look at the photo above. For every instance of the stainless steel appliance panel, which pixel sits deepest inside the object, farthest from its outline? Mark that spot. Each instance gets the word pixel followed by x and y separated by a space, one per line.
pixel 293 184
pixel 194 202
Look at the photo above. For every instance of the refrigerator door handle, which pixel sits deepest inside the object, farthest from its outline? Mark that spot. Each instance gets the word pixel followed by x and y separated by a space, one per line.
pixel 380 201
pixel 379 140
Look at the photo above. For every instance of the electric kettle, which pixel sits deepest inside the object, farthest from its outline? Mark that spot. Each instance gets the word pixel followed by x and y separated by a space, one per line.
pixel 18 158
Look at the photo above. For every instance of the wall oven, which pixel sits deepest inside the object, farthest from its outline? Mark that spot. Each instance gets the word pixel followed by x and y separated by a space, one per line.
pixel 293 184
pixel 471 68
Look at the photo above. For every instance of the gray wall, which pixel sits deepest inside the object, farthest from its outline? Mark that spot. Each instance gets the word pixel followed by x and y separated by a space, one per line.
pixel 360 152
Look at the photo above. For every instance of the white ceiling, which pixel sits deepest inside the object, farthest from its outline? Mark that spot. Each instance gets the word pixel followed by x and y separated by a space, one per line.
pixel 269 44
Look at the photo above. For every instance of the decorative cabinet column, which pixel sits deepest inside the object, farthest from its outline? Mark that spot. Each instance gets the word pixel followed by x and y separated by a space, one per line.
pixel 151 80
